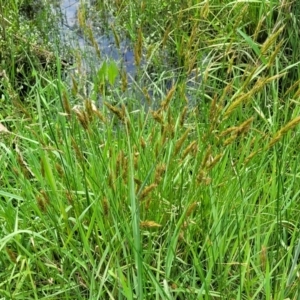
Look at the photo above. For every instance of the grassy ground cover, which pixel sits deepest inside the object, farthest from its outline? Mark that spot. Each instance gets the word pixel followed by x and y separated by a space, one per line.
pixel 194 198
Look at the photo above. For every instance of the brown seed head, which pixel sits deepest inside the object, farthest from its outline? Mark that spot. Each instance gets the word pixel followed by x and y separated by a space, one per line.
pixel 149 224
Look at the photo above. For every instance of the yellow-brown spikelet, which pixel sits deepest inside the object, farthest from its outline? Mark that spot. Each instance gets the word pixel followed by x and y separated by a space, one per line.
pixel 99 115
pixel 206 157
pixel 142 143
pixel 290 125
pixel 124 80
pixel 180 141
pixel 251 155
pixel 138 184
pixel 243 97
pixel 165 103
pixel 170 118
pixel 81 117
pixel 191 148
pixel 66 104
pixel 183 115
pixel 24 168
pixel 292 87
pixel 275 52
pixel 245 126
pixel 202 178
pixel 263 257
pixel 118 112
pixel 41 203
pixel 228 131
pixel 43 200
pixel 157 116
pixel 112 180
pixel 105 206
pixel 167 131
pixel 77 150
pixel 204 10
pixel 215 160
pixel 278 135
pixel 119 162
pixel 147 96
pixel 59 170
pixel 236 130
pixel 69 197
pixel 90 35
pixel 89 110
pixel 81 16
pixel 271 40
pixel 166 36
pixel 23 164
pixel 149 224
pixel 147 190
pixel 136 156
pixel 138 48
pixel 159 172
pixel 297 94
pixel 213 109
pixel 258 29
pixel 230 140
pixel 192 207
pixel 11 254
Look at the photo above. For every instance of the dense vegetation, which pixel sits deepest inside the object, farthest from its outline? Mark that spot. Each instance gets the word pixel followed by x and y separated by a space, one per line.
pixel 180 183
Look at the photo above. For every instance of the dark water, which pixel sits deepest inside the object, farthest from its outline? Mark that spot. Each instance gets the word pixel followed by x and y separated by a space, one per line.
pixel 123 56
pixel 109 51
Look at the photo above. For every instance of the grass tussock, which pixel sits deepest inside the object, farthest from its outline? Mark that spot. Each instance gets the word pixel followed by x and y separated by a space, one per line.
pixel 168 190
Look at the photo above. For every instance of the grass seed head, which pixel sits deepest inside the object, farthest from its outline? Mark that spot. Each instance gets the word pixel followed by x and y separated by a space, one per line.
pixel 147 190
pixel 81 117
pixel 112 180
pixel 69 197
pixel 66 103
pixel 191 148
pixel 142 143
pixel 203 178
pixel 230 140
pixel 119 162
pixel 263 257
pixel 11 254
pixel 165 103
pixel 105 206
pixel 149 224
pixel 157 116
pixel 23 164
pixel 214 161
pixel 77 150
pixel 206 157
pixel 124 80
pixel 41 203
pixel 280 133
pixel 183 115
pixel 180 141
pixel 192 207
pixel 159 172
pixel 89 109
pixel 120 113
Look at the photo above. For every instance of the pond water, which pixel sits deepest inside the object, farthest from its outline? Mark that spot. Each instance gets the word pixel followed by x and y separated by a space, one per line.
pixel 106 42
pixel 123 55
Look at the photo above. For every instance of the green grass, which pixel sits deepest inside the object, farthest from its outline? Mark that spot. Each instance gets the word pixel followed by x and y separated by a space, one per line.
pixel 194 198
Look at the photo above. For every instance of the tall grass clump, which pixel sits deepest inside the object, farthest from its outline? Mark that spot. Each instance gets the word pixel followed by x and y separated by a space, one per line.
pixel 192 196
